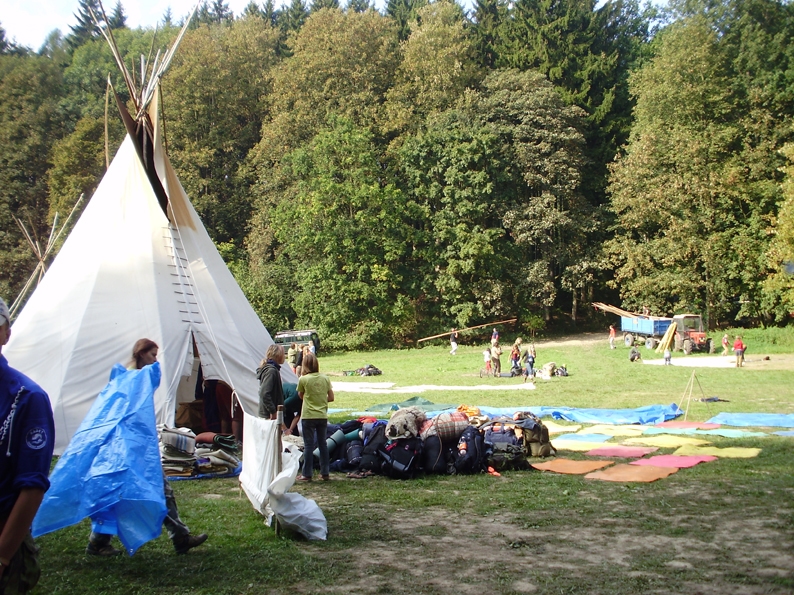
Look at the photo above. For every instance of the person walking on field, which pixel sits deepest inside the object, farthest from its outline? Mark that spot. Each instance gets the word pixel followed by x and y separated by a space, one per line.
pixel 144 353
pixel 453 341
pixel 611 336
pixel 725 344
pixel 738 351
pixel 27 439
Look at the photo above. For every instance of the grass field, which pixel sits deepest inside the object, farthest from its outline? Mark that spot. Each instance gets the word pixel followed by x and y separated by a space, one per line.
pixel 721 527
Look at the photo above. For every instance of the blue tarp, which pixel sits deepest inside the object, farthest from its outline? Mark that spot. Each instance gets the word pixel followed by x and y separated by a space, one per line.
pixel 111 470
pixel 754 419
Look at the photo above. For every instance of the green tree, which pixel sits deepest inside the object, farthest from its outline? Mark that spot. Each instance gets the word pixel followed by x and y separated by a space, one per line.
pixel 31 89
pixel 117 19
pixel 780 284
pixel 490 22
pixel 168 18
pixel 359 5
pixel 403 12
pixel 698 187
pixel 438 64
pixel 216 95
pixel 342 64
pixel 252 10
pixel 295 15
pixel 496 180
pixel 77 164
pixel 85 29
pixel 320 4
pixel 220 12
pixel 342 234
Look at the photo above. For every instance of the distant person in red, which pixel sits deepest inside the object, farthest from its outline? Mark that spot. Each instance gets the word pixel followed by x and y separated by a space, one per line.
pixel 738 351
pixel 611 336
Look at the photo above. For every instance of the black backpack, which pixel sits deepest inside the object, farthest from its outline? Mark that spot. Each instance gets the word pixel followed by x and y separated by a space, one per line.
pixel 470 454
pixel 373 442
pixel 401 458
pixel 504 449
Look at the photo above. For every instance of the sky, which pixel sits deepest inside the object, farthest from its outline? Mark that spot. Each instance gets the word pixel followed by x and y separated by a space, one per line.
pixel 30 21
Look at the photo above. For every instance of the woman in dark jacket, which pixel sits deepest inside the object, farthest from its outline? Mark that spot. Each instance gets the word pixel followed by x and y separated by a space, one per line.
pixel 271 393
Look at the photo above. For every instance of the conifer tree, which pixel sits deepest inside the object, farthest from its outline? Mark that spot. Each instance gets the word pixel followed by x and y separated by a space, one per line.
pixel 4 43
pixel 270 13
pixel 252 10
pixel 403 11
pixel 490 20
pixel 85 29
pixel 296 15
pixel 320 4
pixel 220 12
pixel 117 19
pixel 168 18
pixel 359 5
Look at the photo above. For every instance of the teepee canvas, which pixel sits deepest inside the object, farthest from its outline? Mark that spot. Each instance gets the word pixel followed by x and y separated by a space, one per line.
pixel 138 263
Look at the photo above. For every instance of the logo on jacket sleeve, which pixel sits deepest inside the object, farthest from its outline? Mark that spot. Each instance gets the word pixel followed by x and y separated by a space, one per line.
pixel 36 438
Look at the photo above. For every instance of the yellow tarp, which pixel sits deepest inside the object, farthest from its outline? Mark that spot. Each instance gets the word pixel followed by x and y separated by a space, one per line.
pixel 614 430
pixel 555 428
pixel 665 441
pixel 734 452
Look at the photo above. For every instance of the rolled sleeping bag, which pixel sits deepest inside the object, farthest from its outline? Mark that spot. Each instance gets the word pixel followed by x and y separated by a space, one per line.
pixel 353 452
pixel 336 439
pixel 354 435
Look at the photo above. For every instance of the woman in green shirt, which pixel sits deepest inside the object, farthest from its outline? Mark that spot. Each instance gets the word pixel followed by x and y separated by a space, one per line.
pixel 316 392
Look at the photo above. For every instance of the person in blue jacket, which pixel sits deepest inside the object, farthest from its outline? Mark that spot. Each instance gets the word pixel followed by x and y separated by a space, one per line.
pixel 144 353
pixel 27 439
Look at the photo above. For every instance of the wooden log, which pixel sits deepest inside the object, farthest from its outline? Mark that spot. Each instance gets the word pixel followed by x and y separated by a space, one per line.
pixel 467 329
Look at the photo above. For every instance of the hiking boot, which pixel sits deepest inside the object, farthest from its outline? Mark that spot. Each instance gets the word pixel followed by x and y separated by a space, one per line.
pixel 106 551
pixel 188 542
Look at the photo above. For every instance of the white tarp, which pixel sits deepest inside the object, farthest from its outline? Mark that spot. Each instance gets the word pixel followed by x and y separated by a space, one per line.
pixel 267 489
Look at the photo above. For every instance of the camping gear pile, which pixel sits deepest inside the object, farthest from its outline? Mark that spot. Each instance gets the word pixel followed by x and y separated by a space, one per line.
pixel 368 370
pixel 452 442
pixel 185 455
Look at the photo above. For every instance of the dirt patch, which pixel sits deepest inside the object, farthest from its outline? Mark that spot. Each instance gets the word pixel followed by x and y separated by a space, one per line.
pixel 509 554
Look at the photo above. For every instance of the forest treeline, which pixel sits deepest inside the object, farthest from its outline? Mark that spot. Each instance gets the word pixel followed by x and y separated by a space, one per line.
pixel 382 176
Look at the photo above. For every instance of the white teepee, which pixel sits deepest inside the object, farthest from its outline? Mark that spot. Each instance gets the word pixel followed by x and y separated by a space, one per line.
pixel 129 270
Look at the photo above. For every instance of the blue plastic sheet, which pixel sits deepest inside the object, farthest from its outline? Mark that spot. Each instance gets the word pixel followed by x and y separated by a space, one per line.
pixel 754 419
pixel 111 470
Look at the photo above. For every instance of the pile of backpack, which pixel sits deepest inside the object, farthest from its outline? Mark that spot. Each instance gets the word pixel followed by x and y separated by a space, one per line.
pixel 450 443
